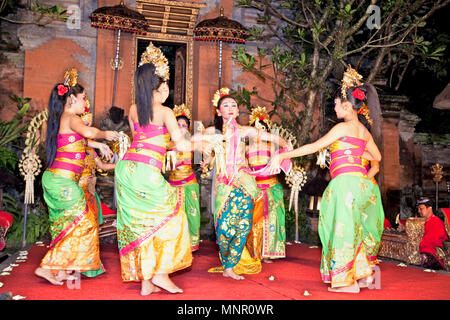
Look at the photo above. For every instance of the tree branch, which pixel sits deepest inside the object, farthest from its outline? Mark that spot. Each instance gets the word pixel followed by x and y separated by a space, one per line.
pixel 360 22
pixel 281 16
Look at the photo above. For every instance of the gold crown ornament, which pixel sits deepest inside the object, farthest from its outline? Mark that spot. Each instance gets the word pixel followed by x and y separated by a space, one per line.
pixel 155 56
pixel 71 79
pixel 353 79
pixel 219 94
pixel 260 114
pixel 182 110
pixel 350 79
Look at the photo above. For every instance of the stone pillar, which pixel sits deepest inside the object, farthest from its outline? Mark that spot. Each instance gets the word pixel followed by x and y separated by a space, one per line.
pixel 406 128
pixel 389 177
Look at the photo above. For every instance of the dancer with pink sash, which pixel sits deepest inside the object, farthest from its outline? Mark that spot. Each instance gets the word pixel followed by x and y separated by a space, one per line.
pixel 152 228
pixel 236 192
pixel 73 224
pixel 350 196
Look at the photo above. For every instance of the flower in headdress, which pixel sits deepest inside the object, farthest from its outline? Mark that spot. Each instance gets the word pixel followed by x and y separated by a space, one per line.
pixel 62 90
pixel 219 94
pixel 350 79
pixel 358 94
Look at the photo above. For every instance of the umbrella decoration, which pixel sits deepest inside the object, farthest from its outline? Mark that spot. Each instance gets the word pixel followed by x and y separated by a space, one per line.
pixel 120 18
pixel 220 29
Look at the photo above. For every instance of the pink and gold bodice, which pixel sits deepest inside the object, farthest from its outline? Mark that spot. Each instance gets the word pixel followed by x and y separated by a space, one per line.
pixel 346 158
pixel 258 159
pixel 149 145
pixel 183 173
pixel 70 156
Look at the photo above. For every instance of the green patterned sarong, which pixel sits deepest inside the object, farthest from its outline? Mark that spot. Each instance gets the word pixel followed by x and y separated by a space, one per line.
pixel 348 229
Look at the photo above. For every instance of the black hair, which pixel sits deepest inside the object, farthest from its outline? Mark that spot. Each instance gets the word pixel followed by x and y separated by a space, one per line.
pixel 56 105
pixel 145 81
pixel 116 114
pixel 355 102
pixel 185 119
pixel 427 202
pixel 218 120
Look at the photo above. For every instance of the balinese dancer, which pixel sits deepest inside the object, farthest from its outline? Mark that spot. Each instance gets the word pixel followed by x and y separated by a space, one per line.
pixel 91 162
pixel 268 235
pixel 235 190
pixel 350 195
pixel 183 178
pixel 73 225
pixel 152 229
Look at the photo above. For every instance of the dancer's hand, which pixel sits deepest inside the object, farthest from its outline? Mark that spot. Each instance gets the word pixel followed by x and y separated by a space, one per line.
pixel 105 151
pixel 289 146
pixel 275 164
pixel 111 135
pixel 204 165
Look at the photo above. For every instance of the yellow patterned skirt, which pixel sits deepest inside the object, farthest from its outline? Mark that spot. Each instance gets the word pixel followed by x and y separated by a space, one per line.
pixel 152 227
pixel 73 226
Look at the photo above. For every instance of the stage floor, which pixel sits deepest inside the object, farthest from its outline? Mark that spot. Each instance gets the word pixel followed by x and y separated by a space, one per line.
pixel 292 276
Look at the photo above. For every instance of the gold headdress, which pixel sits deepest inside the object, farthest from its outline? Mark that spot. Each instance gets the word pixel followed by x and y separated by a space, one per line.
pixel 219 94
pixel 182 110
pixel 71 79
pixel 260 114
pixel 155 56
pixel 351 79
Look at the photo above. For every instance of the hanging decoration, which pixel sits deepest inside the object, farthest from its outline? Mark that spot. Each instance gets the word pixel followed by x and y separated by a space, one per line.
pixel 220 29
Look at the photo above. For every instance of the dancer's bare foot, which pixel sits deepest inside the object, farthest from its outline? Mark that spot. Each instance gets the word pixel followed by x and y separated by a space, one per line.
pixel 267 261
pixel 147 288
pixel 365 282
pixel 47 275
pixel 353 288
pixel 64 275
pixel 229 273
pixel 163 281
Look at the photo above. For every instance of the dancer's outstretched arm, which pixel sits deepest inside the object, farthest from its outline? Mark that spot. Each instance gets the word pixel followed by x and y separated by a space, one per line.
pixel 104 149
pixel 335 133
pixel 77 125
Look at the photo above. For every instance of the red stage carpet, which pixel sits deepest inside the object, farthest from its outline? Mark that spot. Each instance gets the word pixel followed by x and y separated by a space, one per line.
pixel 292 276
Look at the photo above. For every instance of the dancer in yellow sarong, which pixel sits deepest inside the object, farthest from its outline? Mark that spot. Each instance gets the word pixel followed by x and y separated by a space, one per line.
pixel 73 225
pixel 152 228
